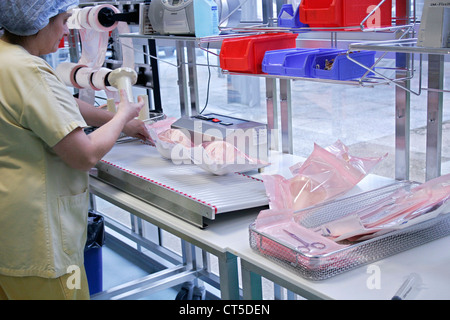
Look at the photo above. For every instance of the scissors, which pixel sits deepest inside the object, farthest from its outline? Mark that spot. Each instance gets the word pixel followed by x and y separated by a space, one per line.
pixel 306 246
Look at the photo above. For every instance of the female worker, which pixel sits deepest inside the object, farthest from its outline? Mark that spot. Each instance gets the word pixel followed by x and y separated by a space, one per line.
pixel 45 156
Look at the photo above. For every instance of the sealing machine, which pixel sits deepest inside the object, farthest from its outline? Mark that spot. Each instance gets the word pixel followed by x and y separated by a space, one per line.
pixel 249 137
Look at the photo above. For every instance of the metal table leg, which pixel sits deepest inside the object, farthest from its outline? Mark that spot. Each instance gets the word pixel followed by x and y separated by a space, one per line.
pixel 434 115
pixel 182 77
pixel 272 113
pixel 402 122
pixel 251 283
pixel 229 279
pixel 286 116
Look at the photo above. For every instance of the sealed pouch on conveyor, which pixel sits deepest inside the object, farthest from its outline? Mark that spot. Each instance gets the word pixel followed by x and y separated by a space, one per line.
pixel 221 157
pixel 170 143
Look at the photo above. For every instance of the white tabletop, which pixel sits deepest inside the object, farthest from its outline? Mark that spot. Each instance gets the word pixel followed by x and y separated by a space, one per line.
pixel 430 261
pixel 230 233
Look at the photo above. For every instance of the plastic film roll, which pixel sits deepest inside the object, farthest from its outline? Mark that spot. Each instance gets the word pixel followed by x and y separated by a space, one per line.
pixel 67 72
pixel 94 21
pixel 83 17
pixel 83 78
pixel 88 73
pixel 63 70
pixel 73 74
pixel 127 46
pixel 94 46
pixel 74 22
pixel 99 79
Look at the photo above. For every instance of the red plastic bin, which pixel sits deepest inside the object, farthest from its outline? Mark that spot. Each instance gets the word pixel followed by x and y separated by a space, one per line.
pixel 245 54
pixel 345 13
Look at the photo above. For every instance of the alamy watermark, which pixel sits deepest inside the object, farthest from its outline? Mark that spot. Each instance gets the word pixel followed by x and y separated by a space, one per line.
pixel 73 282
pixel 374 279
pixel 251 142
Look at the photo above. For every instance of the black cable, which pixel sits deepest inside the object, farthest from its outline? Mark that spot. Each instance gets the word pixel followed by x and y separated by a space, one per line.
pixel 209 80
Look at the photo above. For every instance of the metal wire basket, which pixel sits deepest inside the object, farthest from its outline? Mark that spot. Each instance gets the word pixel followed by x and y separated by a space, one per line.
pixel 320 267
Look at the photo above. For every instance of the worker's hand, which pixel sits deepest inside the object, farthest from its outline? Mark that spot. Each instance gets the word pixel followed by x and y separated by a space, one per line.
pixel 129 110
pixel 136 128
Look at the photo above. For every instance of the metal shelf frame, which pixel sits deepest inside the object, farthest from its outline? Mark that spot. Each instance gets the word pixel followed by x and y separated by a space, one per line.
pixel 434 90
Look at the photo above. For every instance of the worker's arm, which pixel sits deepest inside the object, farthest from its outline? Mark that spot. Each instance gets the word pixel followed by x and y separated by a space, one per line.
pixel 81 151
pixel 96 117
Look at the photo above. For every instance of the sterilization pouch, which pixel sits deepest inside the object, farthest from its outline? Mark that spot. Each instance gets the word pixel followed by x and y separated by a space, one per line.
pixel 401 209
pixel 280 226
pixel 156 127
pixel 174 144
pixel 220 157
pixel 171 143
pixel 326 174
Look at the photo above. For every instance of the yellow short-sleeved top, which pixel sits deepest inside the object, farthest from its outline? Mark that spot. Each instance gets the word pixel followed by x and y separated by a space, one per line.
pixel 43 202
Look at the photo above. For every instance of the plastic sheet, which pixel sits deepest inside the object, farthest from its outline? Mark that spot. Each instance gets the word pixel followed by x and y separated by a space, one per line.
pixel 326 174
pixel 95 231
pixel 268 237
pixel 399 210
pixel 216 157
pixel 88 72
pixel 280 225
pixel 221 157
pixel 171 143
pixel 155 128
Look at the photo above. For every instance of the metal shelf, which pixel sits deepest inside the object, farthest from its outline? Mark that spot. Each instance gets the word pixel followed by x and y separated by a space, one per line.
pixel 400 46
pixel 365 83
pixel 158 36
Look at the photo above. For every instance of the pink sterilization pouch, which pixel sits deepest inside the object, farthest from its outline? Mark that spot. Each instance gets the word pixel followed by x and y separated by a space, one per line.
pixel 326 174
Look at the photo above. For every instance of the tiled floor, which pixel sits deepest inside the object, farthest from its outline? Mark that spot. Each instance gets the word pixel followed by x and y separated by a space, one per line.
pixel 363 118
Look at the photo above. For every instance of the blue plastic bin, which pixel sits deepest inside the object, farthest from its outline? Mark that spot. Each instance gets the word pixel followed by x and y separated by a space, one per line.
pixel 342 68
pixel 273 62
pixel 93 260
pixel 301 64
pixel 287 18
pixel 93 263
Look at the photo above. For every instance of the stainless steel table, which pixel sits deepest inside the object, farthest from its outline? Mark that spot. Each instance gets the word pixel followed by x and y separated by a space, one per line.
pixel 215 239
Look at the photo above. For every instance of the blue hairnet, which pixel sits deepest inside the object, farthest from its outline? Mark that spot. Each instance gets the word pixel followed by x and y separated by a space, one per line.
pixel 27 17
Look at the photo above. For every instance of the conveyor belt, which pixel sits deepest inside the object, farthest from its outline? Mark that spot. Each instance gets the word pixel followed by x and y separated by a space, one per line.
pixel 184 190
